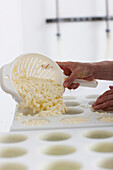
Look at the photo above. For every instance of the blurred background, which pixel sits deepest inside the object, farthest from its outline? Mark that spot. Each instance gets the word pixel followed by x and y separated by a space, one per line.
pixel 29 26
pixel 24 29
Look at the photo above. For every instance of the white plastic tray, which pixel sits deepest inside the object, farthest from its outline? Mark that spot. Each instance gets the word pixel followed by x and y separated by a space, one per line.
pixel 83 100
pixel 34 159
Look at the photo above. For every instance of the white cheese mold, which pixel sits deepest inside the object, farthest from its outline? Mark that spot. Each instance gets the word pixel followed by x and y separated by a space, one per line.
pixel 60 149
pixel 79 114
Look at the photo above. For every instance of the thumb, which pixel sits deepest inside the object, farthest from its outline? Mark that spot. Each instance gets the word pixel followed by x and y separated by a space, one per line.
pixel 70 79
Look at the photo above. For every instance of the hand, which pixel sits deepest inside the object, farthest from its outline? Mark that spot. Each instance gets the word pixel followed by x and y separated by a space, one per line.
pixel 76 70
pixel 105 101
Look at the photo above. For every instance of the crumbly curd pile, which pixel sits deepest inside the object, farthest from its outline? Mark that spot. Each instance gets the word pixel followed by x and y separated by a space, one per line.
pixel 43 96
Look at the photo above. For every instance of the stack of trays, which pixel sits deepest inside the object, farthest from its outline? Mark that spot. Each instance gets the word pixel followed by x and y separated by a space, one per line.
pixel 66 149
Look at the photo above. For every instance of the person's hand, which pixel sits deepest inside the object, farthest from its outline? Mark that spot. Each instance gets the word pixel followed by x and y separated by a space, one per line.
pixel 105 101
pixel 76 70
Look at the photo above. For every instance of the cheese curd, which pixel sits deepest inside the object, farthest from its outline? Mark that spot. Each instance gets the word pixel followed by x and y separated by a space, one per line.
pixel 43 96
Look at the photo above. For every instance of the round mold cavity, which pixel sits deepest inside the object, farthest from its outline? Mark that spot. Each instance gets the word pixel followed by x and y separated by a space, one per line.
pixel 106 119
pixel 91 102
pixel 102 147
pixel 12 138
pixel 69 97
pixel 58 150
pixel 73 111
pixel 57 136
pixel 94 96
pixel 106 163
pixel 12 152
pixel 35 122
pixel 63 165
pixel 73 120
pixel 13 166
pixel 71 103
pixel 98 134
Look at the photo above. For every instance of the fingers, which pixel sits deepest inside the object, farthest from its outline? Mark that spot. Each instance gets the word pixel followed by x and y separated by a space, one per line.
pixel 75 70
pixel 68 83
pixel 67 72
pixel 62 65
pixel 104 99
pixel 109 92
pixel 70 79
pixel 104 102
pixel 104 105
pixel 109 109
pixel 74 86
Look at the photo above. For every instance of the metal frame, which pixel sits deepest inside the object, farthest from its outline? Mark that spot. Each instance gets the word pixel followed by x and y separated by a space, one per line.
pixel 78 19
pixel 59 20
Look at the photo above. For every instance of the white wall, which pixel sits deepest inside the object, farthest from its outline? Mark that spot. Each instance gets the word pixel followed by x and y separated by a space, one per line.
pixel 11 45
pixel 11 39
pixel 23 29
pixel 79 41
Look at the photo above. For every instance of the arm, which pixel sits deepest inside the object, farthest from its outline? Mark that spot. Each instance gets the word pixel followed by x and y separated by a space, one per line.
pixel 103 70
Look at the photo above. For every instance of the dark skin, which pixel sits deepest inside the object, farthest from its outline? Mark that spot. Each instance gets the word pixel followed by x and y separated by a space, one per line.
pixel 90 71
